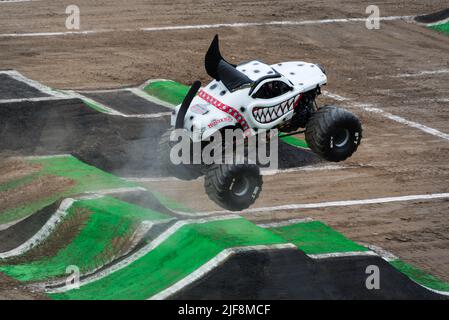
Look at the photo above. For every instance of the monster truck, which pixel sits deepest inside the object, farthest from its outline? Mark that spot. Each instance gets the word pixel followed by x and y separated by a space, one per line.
pixel 254 97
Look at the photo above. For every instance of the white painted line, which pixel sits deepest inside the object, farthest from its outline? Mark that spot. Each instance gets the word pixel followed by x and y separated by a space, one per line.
pixel 117 190
pixel 147 116
pixel 151 179
pixel 347 203
pixel 334 96
pixel 386 255
pixel 205 26
pixel 307 168
pixel 342 254
pixel 91 101
pixel 135 256
pixel 264 172
pixel 426 100
pixel 49 156
pixel 422 73
pixel 371 108
pixel 14 1
pixel 102 90
pixel 142 94
pixel 39 86
pixel 113 112
pixel 443 293
pixel 284 223
pixel 270 23
pixel 136 91
pixel 409 123
pixel 438 22
pixel 4 101
pixel 413 74
pixel 212 264
pixel 55 34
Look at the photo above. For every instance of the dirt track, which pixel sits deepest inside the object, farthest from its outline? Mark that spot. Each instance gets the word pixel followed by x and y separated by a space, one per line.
pixel 125 58
pixel 362 64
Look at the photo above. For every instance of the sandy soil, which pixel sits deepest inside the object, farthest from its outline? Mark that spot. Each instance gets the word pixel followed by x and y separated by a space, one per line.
pixel 362 64
pixel 123 58
pixel 46 15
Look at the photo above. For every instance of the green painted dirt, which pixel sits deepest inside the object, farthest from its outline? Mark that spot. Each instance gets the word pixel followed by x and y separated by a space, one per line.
pixel 86 178
pixel 95 106
pixel 444 28
pixel 107 233
pixel 315 238
pixel 296 142
pixel 420 276
pixel 169 91
pixel 181 254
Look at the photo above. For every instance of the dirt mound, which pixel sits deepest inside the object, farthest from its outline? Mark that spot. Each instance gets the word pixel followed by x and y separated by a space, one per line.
pixel 433 17
pixel 124 146
pixel 25 229
pixel 14 89
pixel 290 274
pixel 63 235
pixel 112 143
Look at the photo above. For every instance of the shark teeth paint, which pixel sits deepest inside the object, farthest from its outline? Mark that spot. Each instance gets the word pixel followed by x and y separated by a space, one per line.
pixel 270 114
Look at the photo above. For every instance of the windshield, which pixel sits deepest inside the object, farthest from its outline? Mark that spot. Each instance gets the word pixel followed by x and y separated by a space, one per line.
pixel 272 89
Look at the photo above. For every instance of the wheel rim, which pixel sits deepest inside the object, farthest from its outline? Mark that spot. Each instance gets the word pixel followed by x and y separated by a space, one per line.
pixel 241 186
pixel 341 138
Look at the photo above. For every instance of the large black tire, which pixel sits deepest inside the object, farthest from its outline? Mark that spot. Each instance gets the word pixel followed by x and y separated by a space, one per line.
pixel 333 133
pixel 233 187
pixel 181 171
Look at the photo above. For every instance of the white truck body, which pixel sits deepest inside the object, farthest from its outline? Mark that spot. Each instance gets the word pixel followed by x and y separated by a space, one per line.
pixel 215 107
